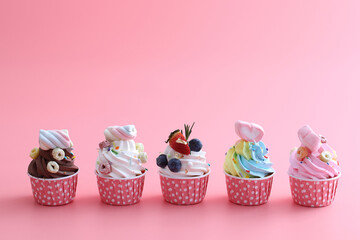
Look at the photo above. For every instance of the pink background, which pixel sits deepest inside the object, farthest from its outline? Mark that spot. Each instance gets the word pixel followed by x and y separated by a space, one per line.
pixel 84 65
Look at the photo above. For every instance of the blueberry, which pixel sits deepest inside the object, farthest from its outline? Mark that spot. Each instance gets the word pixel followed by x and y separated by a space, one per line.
pixel 161 161
pixel 174 165
pixel 195 145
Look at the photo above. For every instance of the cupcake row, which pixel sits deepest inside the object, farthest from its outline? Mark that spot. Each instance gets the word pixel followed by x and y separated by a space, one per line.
pixel 313 173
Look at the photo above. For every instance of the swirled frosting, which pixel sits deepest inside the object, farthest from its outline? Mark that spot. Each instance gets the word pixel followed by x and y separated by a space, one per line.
pixel 312 165
pixel 248 160
pixel 118 155
pixel 55 151
pixel 50 139
pixel 38 167
pixel 192 165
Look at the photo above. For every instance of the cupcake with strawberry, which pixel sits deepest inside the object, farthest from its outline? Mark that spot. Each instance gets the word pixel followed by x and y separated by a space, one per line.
pixel 314 170
pixel 247 167
pixel 183 169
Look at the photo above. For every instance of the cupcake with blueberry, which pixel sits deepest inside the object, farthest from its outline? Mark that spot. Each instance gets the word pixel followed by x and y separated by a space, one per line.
pixel 314 170
pixel 183 169
pixel 119 166
pixel 52 171
pixel 248 169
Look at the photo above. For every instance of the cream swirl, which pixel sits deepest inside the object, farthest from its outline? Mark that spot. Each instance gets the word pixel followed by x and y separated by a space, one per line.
pixel 50 139
pixel 191 165
pixel 125 162
pixel 115 133
pixel 118 156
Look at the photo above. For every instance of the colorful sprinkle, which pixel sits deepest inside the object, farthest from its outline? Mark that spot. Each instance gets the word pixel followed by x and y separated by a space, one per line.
pixel 247 171
pixel 114 151
pixel 117 147
pixel 266 157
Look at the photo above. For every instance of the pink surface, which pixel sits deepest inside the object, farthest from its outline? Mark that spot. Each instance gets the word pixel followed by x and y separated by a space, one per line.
pixel 248 192
pixel 313 193
pixel 86 65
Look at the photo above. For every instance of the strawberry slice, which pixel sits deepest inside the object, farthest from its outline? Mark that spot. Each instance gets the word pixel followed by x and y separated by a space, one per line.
pixel 177 141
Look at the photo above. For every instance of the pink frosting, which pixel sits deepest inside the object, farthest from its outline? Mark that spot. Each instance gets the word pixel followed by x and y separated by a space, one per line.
pixel 312 167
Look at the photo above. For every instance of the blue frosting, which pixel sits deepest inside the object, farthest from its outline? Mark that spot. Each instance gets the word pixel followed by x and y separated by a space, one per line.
pixel 259 165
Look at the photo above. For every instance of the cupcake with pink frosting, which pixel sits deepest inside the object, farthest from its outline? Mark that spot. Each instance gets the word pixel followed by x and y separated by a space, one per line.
pixel 52 171
pixel 119 169
pixel 314 170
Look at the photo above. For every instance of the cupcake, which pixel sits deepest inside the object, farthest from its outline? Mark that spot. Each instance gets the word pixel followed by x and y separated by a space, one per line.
pixel 183 169
pixel 119 170
pixel 52 172
pixel 314 170
pixel 248 170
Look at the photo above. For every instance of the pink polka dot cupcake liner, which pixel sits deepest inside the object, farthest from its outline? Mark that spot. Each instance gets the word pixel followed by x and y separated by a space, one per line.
pixel 121 192
pixel 184 191
pixel 55 191
pixel 248 191
pixel 313 193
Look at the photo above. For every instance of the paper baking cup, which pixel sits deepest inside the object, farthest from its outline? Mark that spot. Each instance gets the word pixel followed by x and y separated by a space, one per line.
pixel 184 191
pixel 313 193
pixel 122 191
pixel 248 191
pixel 54 191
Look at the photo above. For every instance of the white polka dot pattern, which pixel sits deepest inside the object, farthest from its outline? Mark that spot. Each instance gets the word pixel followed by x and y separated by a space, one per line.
pixel 55 191
pixel 120 192
pixel 184 191
pixel 248 192
pixel 313 193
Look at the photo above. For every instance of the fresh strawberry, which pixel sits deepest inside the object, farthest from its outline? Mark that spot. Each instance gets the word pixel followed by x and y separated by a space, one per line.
pixel 178 142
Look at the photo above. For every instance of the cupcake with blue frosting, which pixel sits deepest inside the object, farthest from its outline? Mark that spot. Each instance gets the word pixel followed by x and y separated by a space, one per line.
pixel 248 160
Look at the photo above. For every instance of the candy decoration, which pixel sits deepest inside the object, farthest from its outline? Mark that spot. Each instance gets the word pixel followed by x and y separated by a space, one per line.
pixel 116 133
pixel 34 153
pixel 326 156
pixel 104 144
pixel 143 157
pixel 309 138
pixel 139 147
pixel 250 132
pixel 52 167
pixel 105 167
pixel 50 139
pixel 58 154
pixel 302 152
